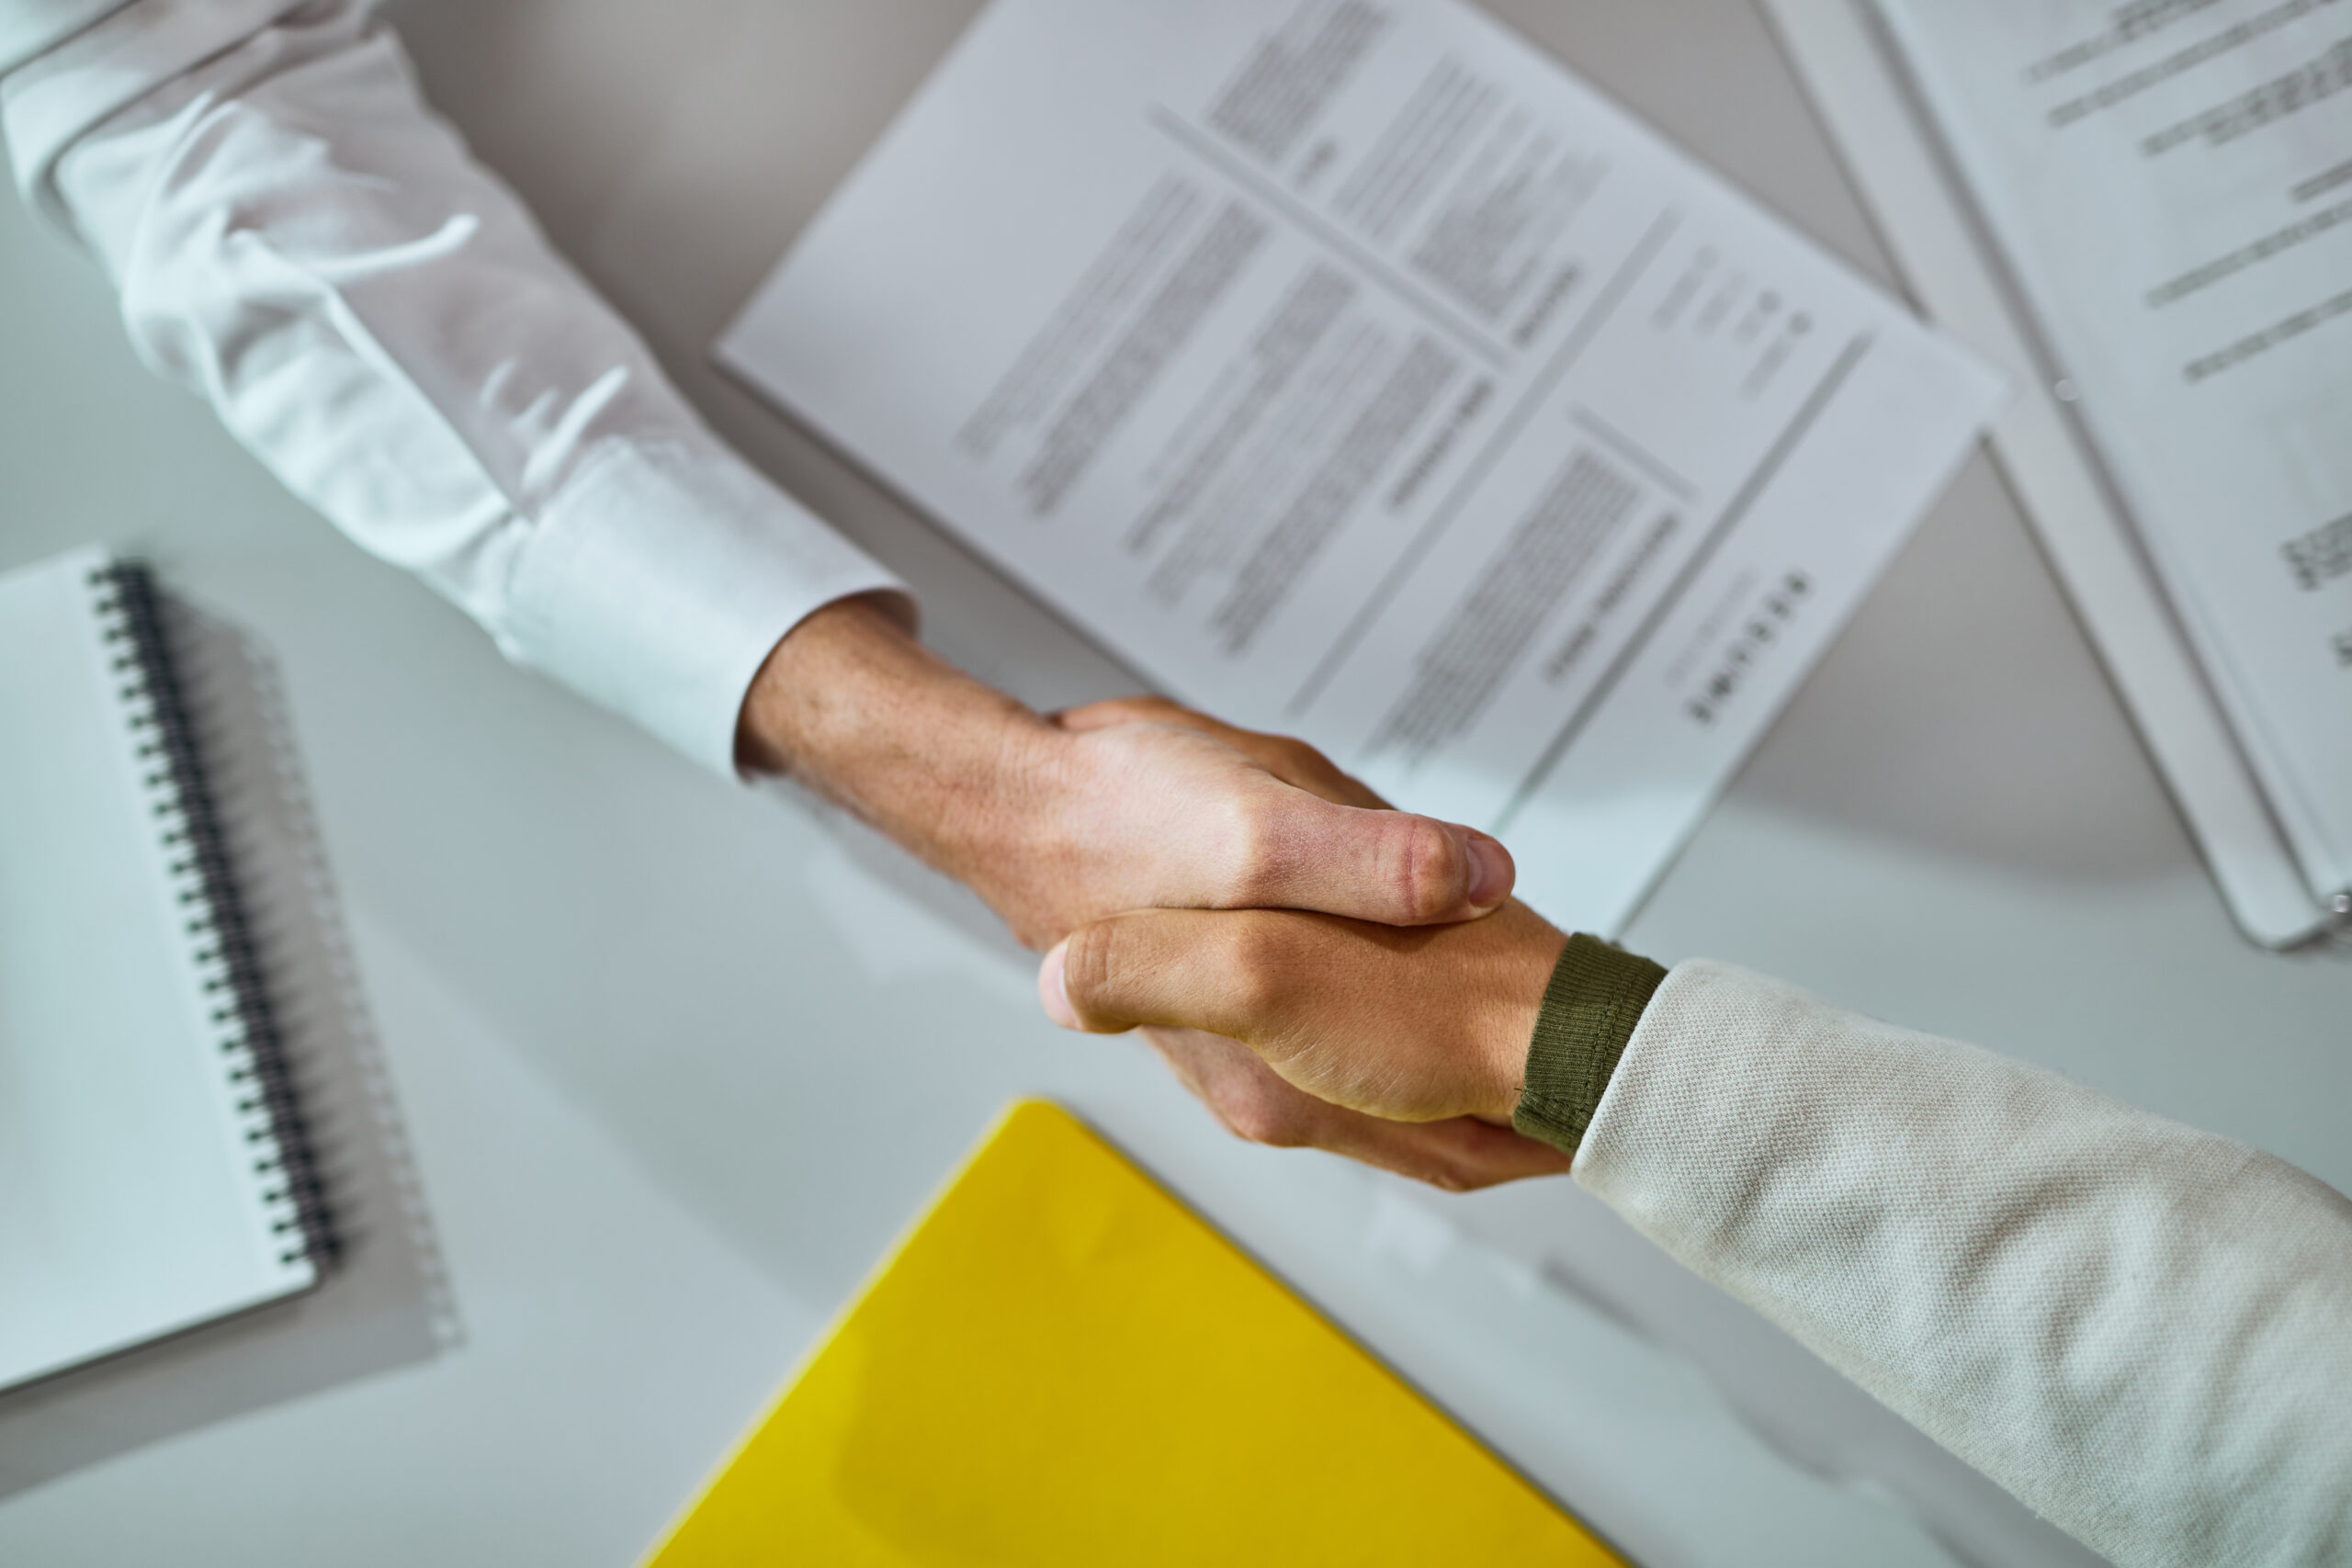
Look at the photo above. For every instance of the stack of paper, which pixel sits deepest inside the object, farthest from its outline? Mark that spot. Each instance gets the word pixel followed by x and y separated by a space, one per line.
pixel 1353 371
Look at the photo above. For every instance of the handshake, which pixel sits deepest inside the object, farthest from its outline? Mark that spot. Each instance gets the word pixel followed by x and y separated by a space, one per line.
pixel 1383 1011
pixel 1318 968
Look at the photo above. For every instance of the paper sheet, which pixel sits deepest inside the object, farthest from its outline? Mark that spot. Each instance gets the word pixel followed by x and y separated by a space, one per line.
pixel 2170 184
pixel 1353 371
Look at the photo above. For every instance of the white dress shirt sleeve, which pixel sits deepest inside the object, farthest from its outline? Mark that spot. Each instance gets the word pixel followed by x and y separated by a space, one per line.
pixel 2142 1330
pixel 28 27
pixel 374 316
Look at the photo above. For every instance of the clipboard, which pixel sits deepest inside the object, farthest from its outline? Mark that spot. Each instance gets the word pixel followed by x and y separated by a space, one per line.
pixel 1924 214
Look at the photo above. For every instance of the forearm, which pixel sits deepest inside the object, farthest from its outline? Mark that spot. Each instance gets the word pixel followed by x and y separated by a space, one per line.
pixel 851 706
pixel 2142 1330
pixel 378 319
pixel 1126 805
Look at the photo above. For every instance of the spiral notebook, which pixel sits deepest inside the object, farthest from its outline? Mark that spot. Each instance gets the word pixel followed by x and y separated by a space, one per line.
pixel 152 1171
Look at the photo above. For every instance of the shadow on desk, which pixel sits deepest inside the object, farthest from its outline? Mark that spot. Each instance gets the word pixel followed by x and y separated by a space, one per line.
pixel 386 1303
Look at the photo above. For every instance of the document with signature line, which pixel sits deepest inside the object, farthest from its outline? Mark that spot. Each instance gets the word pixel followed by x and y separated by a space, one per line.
pixel 2169 186
pixel 1352 369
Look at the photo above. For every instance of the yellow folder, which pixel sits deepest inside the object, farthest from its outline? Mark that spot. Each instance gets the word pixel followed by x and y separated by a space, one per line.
pixel 1063 1365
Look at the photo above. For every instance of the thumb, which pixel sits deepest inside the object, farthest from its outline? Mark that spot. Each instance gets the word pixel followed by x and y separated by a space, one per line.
pixel 1300 852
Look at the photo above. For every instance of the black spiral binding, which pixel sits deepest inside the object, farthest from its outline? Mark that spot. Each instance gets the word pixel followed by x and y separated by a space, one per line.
pixel 238 998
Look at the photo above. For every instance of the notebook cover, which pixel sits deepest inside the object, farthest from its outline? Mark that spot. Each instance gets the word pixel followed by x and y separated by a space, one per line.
pixel 1062 1364
pixel 142 1188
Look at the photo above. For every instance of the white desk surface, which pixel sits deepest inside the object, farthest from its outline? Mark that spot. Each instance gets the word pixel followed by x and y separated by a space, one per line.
pixel 677 1065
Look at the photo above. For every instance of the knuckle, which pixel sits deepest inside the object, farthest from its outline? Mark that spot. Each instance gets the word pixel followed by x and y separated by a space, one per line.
pixel 1260 1118
pixel 1455 1174
pixel 1424 866
pixel 1253 839
pixel 1256 980
pixel 1306 759
pixel 1447 1169
pixel 1304 766
pixel 1090 968
pixel 1294 755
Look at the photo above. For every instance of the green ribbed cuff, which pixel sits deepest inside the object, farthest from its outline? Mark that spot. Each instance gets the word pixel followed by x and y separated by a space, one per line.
pixel 1595 998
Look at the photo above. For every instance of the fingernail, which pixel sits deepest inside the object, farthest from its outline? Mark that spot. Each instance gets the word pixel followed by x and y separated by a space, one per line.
pixel 1491 872
pixel 1053 988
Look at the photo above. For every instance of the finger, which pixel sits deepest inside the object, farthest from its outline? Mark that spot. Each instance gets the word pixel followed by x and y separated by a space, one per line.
pixel 1289 849
pixel 1459 1155
pixel 1255 1103
pixel 1293 761
pixel 1398 869
pixel 1119 710
pixel 1238 974
pixel 1307 848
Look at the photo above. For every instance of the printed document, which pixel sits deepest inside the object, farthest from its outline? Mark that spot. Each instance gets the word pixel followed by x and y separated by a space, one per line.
pixel 2170 185
pixel 1352 370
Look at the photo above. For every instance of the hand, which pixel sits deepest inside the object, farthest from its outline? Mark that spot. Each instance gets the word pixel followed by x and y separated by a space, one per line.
pixel 1410 1026
pixel 1256 1102
pixel 1123 806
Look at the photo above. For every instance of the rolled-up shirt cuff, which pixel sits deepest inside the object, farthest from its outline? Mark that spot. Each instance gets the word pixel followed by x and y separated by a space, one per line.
pixel 657 581
pixel 1596 999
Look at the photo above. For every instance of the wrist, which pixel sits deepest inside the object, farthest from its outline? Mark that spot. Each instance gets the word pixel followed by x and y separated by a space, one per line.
pixel 1511 997
pixel 851 706
pixel 1592 1005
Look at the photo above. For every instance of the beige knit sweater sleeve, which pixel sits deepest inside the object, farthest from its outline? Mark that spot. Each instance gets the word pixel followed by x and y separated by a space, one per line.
pixel 2142 1330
